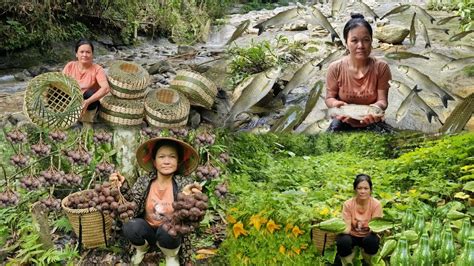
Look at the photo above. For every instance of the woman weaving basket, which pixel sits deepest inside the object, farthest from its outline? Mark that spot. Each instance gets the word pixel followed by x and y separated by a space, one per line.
pixel 357 213
pixel 90 76
pixel 169 161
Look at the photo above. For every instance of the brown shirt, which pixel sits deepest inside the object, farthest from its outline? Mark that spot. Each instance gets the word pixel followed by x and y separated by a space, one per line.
pixel 343 85
pixel 360 219
pixel 158 203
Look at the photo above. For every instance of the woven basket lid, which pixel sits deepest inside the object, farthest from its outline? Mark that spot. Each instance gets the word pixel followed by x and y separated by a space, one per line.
pixel 127 79
pixel 121 111
pixel 200 90
pixel 166 108
pixel 53 100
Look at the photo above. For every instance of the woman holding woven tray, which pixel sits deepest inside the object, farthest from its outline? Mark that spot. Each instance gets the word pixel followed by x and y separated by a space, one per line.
pixel 169 162
pixel 357 213
pixel 90 76
pixel 358 78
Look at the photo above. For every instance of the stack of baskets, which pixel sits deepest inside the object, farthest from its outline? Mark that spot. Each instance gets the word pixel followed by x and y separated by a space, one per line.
pixel 128 82
pixel 166 108
pixel 200 90
pixel 53 100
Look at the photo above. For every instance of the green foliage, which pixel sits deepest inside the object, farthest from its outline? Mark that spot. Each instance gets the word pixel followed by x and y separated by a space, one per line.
pixel 466 10
pixel 469 70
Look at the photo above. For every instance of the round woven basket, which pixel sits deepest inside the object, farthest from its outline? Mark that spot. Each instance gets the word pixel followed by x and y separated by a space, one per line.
pixel 53 100
pixel 200 90
pixel 323 239
pixel 91 226
pixel 121 112
pixel 166 108
pixel 127 79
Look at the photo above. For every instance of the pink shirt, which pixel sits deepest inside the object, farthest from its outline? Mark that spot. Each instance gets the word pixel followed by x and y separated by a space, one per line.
pixel 158 203
pixel 360 219
pixel 87 79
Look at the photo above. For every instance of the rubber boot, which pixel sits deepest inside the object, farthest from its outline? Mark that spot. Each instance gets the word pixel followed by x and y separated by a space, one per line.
pixel 367 258
pixel 139 254
pixel 348 260
pixel 171 256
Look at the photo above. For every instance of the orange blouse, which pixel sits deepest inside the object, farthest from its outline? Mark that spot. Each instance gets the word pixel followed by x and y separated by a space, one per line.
pixel 158 203
pixel 88 79
pixel 360 219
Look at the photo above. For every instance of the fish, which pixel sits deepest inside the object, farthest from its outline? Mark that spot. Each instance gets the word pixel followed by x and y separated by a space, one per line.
pixel 337 6
pixel 460 35
pixel 331 57
pixel 440 56
pixel 288 121
pixel 302 75
pixel 413 30
pixel 369 10
pixel 280 18
pixel 425 14
pixel 459 117
pixel 315 16
pixel 458 63
pixel 356 111
pixel 238 31
pixel 396 10
pixel 440 29
pixel 424 32
pixel 404 55
pixel 316 127
pixel 446 20
pixel 313 99
pixel 261 84
pixel 426 83
pixel 413 97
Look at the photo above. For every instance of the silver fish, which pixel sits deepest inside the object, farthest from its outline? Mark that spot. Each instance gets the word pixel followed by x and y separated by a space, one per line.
pixel 337 6
pixel 413 30
pixel 302 75
pixel 445 20
pixel 356 111
pixel 368 10
pixel 459 117
pixel 317 17
pixel 331 57
pixel 396 10
pixel 440 29
pixel 261 84
pixel 288 121
pixel 404 55
pixel 460 35
pixel 284 17
pixel 313 99
pixel 458 63
pixel 238 31
pixel 413 97
pixel 425 14
pixel 424 32
pixel 426 83
pixel 440 56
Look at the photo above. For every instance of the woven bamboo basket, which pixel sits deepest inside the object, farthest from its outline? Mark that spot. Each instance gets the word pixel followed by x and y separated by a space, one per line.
pixel 127 80
pixel 53 100
pixel 166 108
pixel 323 239
pixel 122 112
pixel 91 226
pixel 200 90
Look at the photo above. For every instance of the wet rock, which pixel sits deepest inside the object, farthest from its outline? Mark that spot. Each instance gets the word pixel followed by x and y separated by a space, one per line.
pixel 160 67
pixel 393 34
pixel 302 38
pixel 105 40
pixel 38 70
pixel 21 76
pixel 194 118
pixel 17 118
pixel 186 49
pixel 299 25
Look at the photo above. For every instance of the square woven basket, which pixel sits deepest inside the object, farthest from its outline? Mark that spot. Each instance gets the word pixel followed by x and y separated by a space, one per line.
pixel 322 239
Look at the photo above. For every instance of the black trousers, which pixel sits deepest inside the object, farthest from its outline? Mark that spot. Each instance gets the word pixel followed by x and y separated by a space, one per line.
pixel 380 127
pixel 345 243
pixel 87 95
pixel 138 230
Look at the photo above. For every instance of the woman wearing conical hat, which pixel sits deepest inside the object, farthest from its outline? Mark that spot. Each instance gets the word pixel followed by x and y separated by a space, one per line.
pixel 169 162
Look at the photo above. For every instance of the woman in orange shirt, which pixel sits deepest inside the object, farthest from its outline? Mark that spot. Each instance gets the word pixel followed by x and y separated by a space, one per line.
pixel 357 213
pixel 357 78
pixel 90 76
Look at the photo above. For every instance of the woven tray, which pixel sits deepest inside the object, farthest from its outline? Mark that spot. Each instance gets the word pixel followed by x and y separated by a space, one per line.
pixel 91 226
pixel 53 100
pixel 322 239
pixel 121 112
pixel 166 108
pixel 127 79
pixel 200 90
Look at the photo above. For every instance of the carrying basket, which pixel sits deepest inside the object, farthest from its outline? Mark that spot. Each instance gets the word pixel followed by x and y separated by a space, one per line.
pixel 200 90
pixel 127 80
pixel 53 100
pixel 122 112
pixel 92 227
pixel 322 239
pixel 166 108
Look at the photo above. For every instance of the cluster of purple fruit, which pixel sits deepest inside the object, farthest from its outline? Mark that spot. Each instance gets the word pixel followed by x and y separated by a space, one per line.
pixel 104 168
pixel 221 190
pixel 179 132
pixel 51 203
pixel 57 135
pixel 30 182
pixel 16 136
pixel 224 157
pixel 41 149
pixel 205 139
pixel 79 156
pixel 19 160
pixel 102 137
pixel 207 172
pixel 9 198
pixel 151 132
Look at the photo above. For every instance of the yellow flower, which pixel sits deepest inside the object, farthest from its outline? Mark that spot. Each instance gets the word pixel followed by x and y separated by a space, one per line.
pixel 304 246
pixel 398 193
pixel 296 231
pixel 239 229
pixel 257 221
pixel 296 250
pixel 233 209
pixel 282 249
pixel 288 227
pixel 231 219
pixel 324 211
pixel 335 213
pixel 412 191
pixel 272 226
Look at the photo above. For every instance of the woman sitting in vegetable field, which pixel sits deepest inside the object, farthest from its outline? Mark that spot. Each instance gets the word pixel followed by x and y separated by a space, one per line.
pixel 357 213
pixel 166 159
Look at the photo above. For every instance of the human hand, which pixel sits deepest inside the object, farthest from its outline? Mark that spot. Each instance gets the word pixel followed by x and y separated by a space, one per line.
pixel 117 178
pixel 370 119
pixel 84 106
pixel 192 188
pixel 338 103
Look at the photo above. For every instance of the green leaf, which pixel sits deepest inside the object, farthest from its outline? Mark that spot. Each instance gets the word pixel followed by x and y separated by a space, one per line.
pixel 378 225
pixel 469 186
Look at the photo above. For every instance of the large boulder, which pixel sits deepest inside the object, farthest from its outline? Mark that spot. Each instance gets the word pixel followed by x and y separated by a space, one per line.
pixel 393 34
